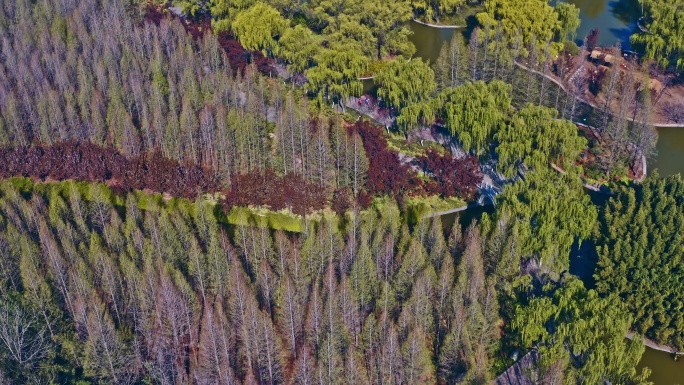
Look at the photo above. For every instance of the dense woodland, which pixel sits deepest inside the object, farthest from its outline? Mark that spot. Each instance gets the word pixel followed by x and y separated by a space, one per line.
pixel 104 283
pixel 128 289
pixel 639 241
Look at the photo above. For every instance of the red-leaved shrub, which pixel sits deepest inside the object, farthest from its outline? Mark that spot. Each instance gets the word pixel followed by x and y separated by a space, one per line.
pixel 449 176
pixel 88 162
pixel 266 188
pixel 387 175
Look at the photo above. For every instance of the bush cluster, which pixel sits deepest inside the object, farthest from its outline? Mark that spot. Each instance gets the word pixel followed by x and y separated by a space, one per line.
pixel 389 175
pixel 89 162
pixel 266 188
pixel 450 176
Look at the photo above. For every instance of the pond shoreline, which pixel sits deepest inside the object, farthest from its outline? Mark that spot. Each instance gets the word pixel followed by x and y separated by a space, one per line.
pixel 656 346
pixel 588 102
pixel 439 26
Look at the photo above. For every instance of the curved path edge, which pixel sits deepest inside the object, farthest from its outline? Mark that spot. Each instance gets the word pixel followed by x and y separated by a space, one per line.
pixel 438 26
pixel 656 346
pixel 455 210
pixel 592 105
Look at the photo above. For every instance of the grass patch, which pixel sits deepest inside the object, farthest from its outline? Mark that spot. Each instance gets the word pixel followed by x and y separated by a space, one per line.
pixel 248 216
pixel 419 207
pixel 398 143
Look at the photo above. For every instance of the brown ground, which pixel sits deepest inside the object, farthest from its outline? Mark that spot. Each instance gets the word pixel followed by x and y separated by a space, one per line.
pixel 668 103
pixel 672 98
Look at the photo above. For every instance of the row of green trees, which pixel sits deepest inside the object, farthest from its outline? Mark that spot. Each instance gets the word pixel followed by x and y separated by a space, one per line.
pixel 523 21
pixel 480 115
pixel 332 42
pixel 586 343
pixel 134 288
pixel 640 256
pixel 489 86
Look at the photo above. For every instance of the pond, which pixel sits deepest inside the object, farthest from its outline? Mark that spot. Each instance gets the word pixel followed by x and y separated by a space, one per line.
pixel 616 19
pixel 670 157
pixel 429 40
pixel 664 369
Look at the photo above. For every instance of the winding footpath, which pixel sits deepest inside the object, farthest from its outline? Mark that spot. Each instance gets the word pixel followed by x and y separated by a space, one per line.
pixel 438 26
pixel 656 346
pixel 592 105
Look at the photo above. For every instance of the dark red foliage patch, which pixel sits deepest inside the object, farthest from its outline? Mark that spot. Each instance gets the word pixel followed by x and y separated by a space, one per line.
pixel 266 188
pixel 342 200
pixel 89 162
pixel 449 176
pixel 153 14
pixel 239 57
pixel 387 175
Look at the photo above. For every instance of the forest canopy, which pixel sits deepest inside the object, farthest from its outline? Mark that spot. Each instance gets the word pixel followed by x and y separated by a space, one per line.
pixel 203 123
pixel 640 240
pixel 531 20
pixel 587 343
pixel 663 37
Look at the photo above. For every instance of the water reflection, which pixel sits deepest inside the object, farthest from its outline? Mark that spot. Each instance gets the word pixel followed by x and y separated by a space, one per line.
pixel 591 8
pixel 665 370
pixel 429 41
pixel 670 158
pixel 615 19
pixel 627 11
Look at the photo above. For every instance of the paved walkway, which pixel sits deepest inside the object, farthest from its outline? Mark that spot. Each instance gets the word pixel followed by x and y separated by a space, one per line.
pixel 439 26
pixel 656 346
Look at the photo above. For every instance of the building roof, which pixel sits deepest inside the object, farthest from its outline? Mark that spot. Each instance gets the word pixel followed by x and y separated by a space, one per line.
pixel 598 55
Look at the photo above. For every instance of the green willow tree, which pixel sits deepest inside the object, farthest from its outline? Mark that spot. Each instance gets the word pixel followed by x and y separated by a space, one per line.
pixel 580 337
pixel 388 22
pixel 569 18
pixel 403 83
pixel 536 137
pixel 335 74
pixel 663 39
pixel 257 27
pixel 550 211
pixel 432 10
pixel 380 28
pixel 298 47
pixel 474 112
pixel 531 20
pixel 223 12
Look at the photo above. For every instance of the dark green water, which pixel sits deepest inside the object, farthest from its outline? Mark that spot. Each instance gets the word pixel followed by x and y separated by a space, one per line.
pixel 616 19
pixel 670 157
pixel 665 370
pixel 429 41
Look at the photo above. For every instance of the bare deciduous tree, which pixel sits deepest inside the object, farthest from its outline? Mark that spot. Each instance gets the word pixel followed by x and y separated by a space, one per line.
pixel 24 336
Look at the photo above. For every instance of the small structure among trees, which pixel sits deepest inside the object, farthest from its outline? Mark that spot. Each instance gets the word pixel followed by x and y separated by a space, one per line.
pixel 601 58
